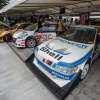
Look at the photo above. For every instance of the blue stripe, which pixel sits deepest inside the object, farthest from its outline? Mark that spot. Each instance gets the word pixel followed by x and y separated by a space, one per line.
pixel 36 49
pixel 48 47
pixel 62 53
pixel 58 51
pixel 71 65
pixel 55 73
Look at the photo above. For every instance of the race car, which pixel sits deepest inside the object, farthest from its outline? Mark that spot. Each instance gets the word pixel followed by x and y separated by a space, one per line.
pixel 25 37
pixel 6 35
pixel 61 59
pixel 31 38
pixel 3 27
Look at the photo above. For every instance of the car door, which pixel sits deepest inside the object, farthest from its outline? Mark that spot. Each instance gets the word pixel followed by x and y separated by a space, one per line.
pixel 45 33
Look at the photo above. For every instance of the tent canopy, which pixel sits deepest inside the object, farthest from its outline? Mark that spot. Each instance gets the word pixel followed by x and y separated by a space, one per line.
pixel 51 6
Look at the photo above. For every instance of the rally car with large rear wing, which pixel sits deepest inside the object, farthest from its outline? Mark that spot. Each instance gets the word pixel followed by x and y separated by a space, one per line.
pixel 59 61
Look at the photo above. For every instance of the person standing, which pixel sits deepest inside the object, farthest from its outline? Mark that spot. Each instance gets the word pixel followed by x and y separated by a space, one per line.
pixel 60 26
pixel 40 22
pixel 72 23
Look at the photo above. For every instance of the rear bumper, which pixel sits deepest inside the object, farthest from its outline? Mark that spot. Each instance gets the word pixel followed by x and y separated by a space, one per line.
pixel 60 92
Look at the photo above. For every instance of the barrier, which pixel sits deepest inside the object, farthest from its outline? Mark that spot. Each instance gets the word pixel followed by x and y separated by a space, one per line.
pixel 60 92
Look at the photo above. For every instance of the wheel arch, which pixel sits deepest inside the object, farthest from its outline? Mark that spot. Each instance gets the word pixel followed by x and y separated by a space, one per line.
pixel 85 62
pixel 9 37
pixel 31 37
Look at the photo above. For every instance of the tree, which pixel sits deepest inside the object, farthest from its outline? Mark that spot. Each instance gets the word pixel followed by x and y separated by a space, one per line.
pixel 3 3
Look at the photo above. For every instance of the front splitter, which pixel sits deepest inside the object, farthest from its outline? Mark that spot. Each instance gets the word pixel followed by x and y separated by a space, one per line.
pixel 60 92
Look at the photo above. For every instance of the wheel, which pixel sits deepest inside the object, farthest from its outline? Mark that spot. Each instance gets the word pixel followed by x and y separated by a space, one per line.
pixel 31 42
pixel 84 72
pixel 7 38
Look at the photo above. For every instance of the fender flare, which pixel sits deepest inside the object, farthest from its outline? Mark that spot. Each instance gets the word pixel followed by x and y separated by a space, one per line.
pixel 85 62
pixel 33 38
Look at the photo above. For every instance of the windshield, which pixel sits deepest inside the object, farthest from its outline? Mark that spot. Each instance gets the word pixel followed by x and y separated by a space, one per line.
pixel 14 27
pixel 31 27
pixel 81 35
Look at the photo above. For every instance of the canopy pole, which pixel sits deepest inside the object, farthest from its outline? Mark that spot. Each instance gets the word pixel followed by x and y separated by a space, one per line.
pixel 7 17
pixel 8 21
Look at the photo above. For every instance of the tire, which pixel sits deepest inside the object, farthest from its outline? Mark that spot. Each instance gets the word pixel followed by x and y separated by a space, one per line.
pixel 7 38
pixel 30 42
pixel 85 71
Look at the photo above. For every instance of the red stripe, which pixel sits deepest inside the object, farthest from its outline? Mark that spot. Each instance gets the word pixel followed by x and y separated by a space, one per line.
pixel 47 61
pixel 22 40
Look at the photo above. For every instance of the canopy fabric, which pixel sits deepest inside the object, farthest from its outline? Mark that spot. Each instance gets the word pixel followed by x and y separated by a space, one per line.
pixel 51 6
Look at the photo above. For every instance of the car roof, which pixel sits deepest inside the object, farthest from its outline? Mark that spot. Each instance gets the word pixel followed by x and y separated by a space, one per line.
pixel 88 26
pixel 49 24
pixel 4 23
pixel 24 23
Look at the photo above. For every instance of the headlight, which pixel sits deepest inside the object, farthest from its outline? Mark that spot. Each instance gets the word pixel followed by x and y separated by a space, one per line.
pixel 21 36
pixel 67 71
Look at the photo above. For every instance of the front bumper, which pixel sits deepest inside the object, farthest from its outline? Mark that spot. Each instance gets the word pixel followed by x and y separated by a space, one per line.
pixel 18 43
pixel 60 92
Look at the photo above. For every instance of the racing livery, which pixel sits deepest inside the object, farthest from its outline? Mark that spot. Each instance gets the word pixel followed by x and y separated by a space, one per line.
pixel 46 32
pixel 62 58
pixel 25 38
pixel 30 37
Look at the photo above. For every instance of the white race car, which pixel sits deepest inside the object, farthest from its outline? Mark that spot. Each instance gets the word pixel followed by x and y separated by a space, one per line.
pixel 25 38
pixel 62 58
pixel 32 36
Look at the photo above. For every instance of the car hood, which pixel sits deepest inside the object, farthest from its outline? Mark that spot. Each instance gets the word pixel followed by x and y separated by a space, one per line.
pixel 16 34
pixel 4 33
pixel 67 51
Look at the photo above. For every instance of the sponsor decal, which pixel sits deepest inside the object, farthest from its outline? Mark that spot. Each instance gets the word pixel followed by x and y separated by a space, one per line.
pixel 46 61
pixel 52 54
pixel 41 37
pixel 49 62
pixel 72 43
pixel 55 73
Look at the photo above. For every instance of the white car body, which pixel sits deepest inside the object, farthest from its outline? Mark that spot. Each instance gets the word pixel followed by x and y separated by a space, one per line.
pixel 19 37
pixel 53 57
pixel 40 35
pixel 21 42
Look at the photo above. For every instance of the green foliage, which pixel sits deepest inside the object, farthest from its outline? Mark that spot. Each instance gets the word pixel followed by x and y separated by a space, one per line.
pixel 3 3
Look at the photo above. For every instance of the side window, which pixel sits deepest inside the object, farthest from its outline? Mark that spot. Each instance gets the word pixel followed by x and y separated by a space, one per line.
pixel 45 29
pixel 49 29
pixel 39 30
